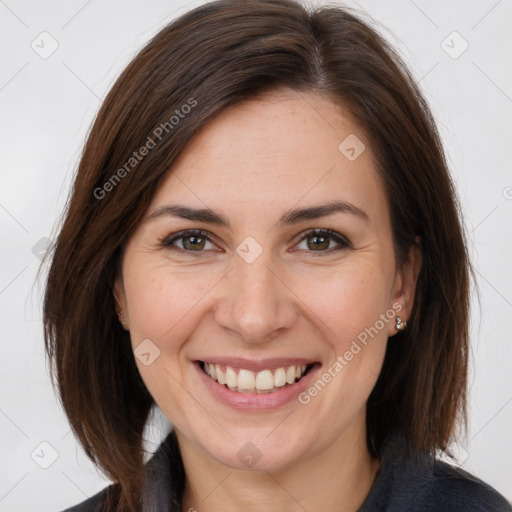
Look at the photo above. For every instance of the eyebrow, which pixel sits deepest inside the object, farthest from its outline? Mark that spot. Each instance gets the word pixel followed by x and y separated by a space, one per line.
pixel 290 218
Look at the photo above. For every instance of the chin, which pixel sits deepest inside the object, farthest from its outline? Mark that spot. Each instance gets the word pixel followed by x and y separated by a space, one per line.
pixel 257 450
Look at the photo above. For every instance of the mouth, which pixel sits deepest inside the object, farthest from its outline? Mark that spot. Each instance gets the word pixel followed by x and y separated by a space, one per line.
pixel 265 381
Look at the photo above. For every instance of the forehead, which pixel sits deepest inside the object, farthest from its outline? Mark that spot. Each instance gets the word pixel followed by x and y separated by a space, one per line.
pixel 273 152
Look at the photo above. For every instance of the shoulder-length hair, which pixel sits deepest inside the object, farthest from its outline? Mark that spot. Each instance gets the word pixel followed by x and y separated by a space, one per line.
pixel 208 59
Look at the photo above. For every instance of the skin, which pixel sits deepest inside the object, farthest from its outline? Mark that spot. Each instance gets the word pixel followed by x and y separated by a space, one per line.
pixel 253 163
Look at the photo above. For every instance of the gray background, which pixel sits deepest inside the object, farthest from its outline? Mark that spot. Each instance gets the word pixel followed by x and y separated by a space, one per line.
pixel 47 105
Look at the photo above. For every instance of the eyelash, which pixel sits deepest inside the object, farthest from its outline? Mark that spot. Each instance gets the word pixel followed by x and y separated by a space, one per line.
pixel 342 241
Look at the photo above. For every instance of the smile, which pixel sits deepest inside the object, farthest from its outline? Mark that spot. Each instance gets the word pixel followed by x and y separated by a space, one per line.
pixel 242 380
pixel 251 385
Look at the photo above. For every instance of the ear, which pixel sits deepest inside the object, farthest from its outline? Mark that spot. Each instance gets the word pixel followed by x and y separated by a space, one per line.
pixel 121 303
pixel 405 283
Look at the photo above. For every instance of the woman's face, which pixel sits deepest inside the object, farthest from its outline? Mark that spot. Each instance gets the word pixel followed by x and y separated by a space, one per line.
pixel 257 297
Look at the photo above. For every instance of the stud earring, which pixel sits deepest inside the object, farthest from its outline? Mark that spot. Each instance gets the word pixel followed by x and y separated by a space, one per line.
pixel 400 324
pixel 119 313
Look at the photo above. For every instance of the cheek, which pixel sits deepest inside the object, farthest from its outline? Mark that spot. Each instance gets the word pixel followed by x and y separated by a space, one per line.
pixel 164 305
pixel 162 302
pixel 353 306
pixel 348 301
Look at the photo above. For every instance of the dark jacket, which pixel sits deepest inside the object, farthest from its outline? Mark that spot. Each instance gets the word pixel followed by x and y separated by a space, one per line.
pixel 405 482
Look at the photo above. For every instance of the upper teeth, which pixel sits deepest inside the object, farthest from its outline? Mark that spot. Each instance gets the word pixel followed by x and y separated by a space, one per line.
pixel 247 380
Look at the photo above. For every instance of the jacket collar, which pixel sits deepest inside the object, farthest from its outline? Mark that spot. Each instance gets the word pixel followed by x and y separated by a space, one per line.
pixel 164 478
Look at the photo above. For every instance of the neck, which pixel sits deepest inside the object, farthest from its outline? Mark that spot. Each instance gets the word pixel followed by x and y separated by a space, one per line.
pixel 336 478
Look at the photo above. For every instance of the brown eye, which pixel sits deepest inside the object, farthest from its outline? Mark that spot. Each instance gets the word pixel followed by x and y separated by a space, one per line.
pixel 194 242
pixel 191 241
pixel 320 240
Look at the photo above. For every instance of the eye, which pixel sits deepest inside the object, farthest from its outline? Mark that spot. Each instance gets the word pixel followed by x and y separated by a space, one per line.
pixel 319 240
pixel 191 241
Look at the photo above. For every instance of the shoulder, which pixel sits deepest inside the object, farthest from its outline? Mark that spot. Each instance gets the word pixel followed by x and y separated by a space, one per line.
pixel 95 503
pixel 411 481
pixel 163 482
pixel 452 488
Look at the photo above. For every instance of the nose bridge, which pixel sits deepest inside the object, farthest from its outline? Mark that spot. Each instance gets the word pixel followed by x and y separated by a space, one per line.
pixel 256 302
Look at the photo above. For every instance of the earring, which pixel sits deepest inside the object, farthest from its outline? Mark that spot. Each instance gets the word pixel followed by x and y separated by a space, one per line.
pixel 400 324
pixel 119 313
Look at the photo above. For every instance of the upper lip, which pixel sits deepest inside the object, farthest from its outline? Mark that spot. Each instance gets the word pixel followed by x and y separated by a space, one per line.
pixel 257 365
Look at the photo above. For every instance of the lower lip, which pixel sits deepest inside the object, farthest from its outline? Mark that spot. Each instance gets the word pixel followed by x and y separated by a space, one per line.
pixel 256 401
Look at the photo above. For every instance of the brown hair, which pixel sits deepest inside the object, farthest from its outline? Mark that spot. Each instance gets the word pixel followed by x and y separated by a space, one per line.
pixel 210 58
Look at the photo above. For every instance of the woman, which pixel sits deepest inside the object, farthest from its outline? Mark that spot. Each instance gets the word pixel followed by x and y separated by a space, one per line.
pixel 263 240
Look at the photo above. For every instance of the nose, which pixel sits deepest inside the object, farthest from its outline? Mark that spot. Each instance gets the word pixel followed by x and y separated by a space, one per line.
pixel 256 303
